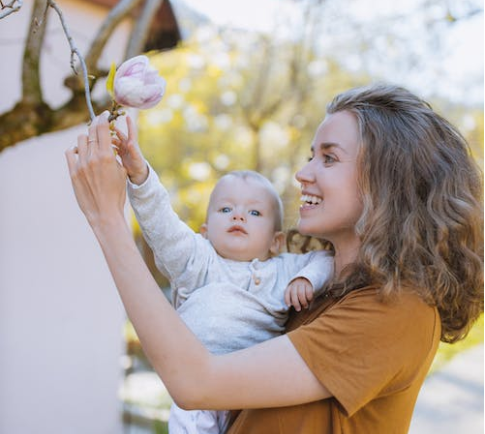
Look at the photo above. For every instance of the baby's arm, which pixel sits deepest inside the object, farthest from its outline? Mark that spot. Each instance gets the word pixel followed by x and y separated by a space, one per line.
pixel 299 293
pixel 178 250
pixel 317 270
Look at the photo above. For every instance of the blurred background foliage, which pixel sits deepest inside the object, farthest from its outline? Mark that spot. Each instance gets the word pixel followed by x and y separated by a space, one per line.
pixel 244 99
pixel 232 103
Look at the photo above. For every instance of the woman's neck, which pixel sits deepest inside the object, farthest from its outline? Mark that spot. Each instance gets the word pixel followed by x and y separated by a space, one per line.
pixel 345 255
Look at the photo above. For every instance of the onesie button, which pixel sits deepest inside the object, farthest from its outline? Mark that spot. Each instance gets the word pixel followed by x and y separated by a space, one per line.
pixel 257 281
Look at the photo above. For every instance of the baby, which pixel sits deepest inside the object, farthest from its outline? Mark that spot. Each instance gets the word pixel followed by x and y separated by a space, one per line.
pixel 229 282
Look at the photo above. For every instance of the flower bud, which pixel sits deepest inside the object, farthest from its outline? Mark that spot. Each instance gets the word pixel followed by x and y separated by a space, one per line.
pixel 137 84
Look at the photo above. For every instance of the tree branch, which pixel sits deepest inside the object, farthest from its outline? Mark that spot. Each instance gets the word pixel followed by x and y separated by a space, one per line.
pixel 116 15
pixel 75 52
pixel 31 87
pixel 10 8
pixel 140 32
pixel 31 116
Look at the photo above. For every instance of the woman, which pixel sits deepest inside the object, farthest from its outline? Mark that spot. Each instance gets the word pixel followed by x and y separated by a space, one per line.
pixel 392 186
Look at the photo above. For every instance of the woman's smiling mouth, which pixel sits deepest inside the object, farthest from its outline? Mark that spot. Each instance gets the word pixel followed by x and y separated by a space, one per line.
pixel 308 199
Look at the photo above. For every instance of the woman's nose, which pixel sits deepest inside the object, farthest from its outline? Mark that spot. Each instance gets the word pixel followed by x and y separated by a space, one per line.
pixel 304 175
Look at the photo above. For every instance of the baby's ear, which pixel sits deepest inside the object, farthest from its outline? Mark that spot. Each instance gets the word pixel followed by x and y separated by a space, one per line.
pixel 203 230
pixel 277 244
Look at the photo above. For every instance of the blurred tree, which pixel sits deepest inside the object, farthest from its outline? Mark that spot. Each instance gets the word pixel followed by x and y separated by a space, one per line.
pixel 154 27
pixel 230 107
pixel 242 99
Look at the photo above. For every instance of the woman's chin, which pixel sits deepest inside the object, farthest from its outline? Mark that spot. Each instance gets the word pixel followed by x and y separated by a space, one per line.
pixel 304 229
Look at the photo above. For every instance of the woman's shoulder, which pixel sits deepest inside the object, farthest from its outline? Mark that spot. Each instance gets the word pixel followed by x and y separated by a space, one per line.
pixel 368 304
pixel 363 318
pixel 403 299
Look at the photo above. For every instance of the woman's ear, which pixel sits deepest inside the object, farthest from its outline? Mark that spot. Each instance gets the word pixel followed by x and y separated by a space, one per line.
pixel 203 230
pixel 277 243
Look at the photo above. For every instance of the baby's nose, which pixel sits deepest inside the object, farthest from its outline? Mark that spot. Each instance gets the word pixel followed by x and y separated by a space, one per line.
pixel 238 216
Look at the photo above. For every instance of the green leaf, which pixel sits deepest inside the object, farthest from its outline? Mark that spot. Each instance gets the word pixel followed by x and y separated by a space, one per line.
pixel 110 82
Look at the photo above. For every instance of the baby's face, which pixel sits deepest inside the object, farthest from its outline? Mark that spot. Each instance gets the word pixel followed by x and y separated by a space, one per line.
pixel 241 220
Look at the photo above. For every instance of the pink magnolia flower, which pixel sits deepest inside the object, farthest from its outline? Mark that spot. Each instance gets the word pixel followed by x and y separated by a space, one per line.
pixel 137 84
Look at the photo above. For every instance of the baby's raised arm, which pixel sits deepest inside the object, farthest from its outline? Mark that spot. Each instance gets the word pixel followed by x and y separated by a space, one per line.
pixel 179 252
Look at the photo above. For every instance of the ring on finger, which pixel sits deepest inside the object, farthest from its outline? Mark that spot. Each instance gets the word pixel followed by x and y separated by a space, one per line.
pixel 91 141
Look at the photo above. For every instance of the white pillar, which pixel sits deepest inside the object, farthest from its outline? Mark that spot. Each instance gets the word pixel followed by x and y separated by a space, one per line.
pixel 60 316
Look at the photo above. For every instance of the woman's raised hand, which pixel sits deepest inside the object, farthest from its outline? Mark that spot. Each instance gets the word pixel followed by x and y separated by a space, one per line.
pixel 130 153
pixel 99 180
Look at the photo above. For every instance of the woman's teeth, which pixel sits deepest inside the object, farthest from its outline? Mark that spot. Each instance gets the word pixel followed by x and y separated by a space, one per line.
pixel 312 200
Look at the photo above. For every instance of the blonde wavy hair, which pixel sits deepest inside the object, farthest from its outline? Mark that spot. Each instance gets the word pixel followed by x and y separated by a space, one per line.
pixel 422 223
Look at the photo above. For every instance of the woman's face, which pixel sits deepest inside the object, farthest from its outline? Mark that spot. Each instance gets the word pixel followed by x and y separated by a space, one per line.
pixel 331 200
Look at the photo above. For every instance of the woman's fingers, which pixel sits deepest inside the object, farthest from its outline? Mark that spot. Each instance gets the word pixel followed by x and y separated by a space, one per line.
pixel 99 181
pixel 77 168
pixel 71 160
pixel 103 134
pixel 83 148
pixel 92 138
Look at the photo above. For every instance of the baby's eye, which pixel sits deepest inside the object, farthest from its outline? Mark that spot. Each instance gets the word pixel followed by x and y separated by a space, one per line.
pixel 328 159
pixel 225 209
pixel 255 212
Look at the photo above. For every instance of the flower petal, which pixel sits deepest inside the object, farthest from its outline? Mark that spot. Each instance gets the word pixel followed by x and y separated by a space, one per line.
pixel 134 66
pixel 137 84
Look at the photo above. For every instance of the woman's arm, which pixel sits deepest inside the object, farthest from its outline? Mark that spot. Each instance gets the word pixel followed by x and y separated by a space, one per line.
pixel 266 375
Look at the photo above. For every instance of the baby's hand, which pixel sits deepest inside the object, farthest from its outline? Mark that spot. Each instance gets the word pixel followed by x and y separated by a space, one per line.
pixel 299 293
pixel 130 153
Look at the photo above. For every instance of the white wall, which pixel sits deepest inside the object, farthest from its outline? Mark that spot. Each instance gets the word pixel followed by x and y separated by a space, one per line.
pixel 60 316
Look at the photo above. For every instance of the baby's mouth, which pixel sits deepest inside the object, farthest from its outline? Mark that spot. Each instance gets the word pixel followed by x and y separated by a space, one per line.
pixel 236 228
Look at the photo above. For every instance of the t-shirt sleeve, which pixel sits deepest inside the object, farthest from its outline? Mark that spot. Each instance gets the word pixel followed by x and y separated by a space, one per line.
pixel 361 347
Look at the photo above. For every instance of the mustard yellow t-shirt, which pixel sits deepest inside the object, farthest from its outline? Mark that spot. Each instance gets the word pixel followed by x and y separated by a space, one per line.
pixel 371 355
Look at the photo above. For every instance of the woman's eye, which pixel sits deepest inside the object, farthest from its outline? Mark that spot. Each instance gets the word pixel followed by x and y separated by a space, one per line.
pixel 328 159
pixel 255 213
pixel 225 209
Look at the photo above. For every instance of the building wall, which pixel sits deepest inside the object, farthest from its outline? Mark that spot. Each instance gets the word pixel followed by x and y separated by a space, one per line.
pixel 60 316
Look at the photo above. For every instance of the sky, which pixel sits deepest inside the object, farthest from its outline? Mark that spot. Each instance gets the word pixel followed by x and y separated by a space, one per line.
pixel 239 13
pixel 462 65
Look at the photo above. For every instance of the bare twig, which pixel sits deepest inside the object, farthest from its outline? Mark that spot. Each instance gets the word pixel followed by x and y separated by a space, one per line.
pixel 75 53
pixel 9 8
pixel 31 115
pixel 140 32
pixel 116 15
